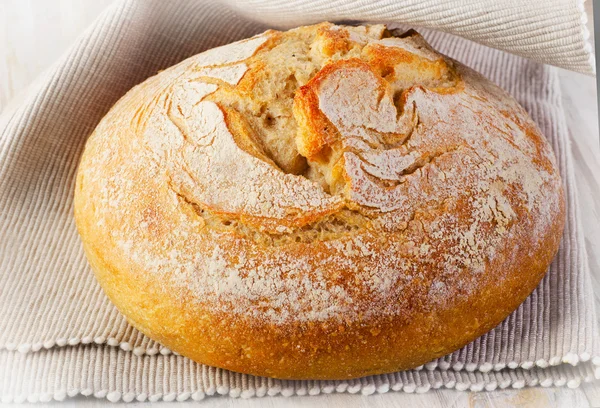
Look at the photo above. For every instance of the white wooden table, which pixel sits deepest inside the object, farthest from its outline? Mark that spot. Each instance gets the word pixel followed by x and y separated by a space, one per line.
pixel 34 33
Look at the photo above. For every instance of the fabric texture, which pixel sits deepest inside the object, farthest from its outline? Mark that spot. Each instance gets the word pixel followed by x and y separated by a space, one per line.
pixel 551 31
pixel 61 336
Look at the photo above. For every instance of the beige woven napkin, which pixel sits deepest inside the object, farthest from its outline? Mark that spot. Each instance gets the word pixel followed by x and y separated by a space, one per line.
pixel 550 31
pixel 59 334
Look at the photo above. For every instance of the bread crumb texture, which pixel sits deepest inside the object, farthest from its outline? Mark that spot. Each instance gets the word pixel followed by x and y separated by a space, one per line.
pixel 327 175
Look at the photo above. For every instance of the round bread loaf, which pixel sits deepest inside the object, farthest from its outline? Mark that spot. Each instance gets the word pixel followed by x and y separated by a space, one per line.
pixel 323 203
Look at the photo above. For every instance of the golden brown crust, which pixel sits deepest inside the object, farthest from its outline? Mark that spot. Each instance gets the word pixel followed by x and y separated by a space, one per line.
pixel 324 203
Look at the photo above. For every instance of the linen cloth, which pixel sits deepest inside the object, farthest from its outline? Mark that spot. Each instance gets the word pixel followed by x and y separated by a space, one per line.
pixel 550 31
pixel 61 336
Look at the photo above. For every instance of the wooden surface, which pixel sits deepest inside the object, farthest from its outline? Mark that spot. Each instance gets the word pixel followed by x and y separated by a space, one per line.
pixel 34 33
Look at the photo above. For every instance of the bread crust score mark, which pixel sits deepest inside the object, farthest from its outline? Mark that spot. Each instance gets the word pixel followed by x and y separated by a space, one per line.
pixel 327 202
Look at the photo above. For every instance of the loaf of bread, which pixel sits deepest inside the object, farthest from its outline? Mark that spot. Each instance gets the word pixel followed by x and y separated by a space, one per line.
pixel 323 203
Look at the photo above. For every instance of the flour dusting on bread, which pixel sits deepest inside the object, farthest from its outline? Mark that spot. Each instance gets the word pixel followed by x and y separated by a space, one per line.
pixel 229 73
pixel 323 174
pixel 231 53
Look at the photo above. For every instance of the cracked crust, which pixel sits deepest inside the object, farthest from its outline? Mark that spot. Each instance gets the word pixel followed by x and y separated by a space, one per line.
pixel 324 203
